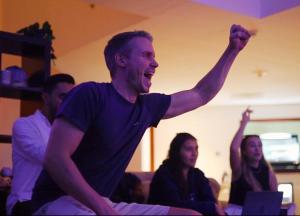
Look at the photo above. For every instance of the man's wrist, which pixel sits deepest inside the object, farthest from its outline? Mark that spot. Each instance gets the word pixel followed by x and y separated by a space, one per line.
pixel 243 123
pixel 233 49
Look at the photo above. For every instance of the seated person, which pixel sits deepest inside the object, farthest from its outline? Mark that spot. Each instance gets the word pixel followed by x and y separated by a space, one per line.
pixel 29 141
pixel 129 190
pixel 250 170
pixel 5 177
pixel 178 183
pixel 215 187
pixel 5 181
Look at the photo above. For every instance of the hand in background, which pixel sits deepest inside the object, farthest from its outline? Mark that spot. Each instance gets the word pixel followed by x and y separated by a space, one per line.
pixel 246 116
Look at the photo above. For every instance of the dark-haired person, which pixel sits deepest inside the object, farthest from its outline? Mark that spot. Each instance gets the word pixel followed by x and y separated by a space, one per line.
pixel 100 125
pixel 178 183
pixel 129 190
pixel 250 170
pixel 29 141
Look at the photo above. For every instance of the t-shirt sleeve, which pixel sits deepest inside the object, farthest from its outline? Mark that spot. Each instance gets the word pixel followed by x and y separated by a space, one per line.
pixel 80 106
pixel 157 105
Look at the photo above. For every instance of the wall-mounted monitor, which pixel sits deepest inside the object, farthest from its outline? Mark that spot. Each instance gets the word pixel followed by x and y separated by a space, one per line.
pixel 280 139
pixel 281 148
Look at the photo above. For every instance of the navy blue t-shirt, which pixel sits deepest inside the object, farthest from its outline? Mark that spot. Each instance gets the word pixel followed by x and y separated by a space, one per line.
pixel 112 128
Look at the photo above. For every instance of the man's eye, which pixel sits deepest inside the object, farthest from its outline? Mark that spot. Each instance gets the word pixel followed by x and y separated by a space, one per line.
pixel 148 55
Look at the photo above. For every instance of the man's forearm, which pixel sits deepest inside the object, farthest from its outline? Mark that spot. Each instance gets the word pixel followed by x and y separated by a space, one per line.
pixel 67 176
pixel 211 84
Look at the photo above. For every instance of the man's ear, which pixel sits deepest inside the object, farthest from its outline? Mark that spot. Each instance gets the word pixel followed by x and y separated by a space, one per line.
pixel 121 60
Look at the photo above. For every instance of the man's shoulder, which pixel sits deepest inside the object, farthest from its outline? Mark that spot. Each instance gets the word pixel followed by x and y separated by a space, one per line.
pixel 33 119
pixel 90 88
pixel 93 84
pixel 155 94
pixel 25 119
pixel 155 98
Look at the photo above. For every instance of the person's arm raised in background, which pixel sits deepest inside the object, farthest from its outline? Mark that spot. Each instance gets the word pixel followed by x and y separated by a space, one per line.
pixel 235 155
pixel 213 81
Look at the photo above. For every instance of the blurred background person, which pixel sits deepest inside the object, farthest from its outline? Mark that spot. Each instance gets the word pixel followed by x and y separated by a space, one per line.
pixel 29 142
pixel 178 183
pixel 129 190
pixel 250 170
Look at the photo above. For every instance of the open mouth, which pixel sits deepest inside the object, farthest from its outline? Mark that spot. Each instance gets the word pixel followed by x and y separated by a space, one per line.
pixel 148 75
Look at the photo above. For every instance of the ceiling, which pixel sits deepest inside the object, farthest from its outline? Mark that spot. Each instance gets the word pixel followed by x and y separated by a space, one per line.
pixel 190 36
pixel 254 8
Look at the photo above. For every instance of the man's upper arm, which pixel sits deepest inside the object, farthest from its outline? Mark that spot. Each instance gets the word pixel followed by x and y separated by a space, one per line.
pixel 64 139
pixel 184 101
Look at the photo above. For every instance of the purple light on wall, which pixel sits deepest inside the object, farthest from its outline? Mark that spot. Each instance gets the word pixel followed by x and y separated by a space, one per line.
pixel 254 8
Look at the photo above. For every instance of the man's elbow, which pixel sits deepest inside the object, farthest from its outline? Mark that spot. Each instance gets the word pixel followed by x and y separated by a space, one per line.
pixel 206 93
pixel 47 161
pixel 51 160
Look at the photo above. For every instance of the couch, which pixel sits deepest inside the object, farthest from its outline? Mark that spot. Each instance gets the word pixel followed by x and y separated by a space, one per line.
pixel 146 178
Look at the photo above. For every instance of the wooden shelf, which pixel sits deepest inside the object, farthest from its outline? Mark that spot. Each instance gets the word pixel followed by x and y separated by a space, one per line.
pixel 35 56
pixel 16 44
pixel 5 138
pixel 23 93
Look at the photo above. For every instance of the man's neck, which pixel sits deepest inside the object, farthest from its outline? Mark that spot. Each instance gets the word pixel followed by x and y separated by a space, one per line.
pixel 124 91
pixel 47 114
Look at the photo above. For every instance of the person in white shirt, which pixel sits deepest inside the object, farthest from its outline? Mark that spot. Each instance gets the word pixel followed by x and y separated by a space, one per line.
pixel 29 141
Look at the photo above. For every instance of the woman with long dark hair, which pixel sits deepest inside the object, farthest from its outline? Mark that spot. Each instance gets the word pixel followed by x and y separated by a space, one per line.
pixel 178 183
pixel 250 170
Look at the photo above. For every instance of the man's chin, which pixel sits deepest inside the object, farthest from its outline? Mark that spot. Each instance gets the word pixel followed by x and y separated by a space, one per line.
pixel 191 165
pixel 146 90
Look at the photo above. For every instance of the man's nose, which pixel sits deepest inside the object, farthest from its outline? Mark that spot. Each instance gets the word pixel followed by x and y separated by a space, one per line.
pixel 154 63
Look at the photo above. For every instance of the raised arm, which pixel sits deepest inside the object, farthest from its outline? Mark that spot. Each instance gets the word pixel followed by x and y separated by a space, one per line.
pixel 235 155
pixel 213 81
pixel 64 140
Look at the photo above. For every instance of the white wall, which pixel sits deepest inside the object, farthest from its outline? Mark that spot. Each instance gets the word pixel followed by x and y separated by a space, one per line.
pixel 214 127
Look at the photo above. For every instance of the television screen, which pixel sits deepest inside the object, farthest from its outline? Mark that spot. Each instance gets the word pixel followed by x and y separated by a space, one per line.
pixel 281 148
